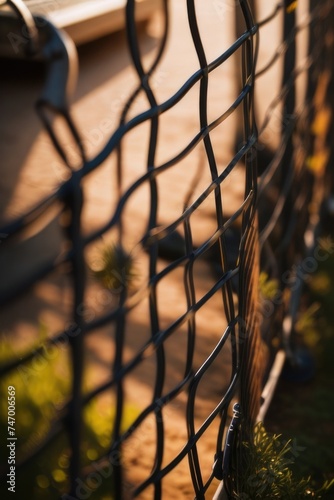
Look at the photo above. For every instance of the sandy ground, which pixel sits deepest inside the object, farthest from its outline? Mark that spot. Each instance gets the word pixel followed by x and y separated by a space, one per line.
pixel 32 169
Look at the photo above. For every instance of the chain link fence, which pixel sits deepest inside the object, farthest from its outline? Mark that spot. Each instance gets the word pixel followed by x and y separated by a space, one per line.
pixel 247 271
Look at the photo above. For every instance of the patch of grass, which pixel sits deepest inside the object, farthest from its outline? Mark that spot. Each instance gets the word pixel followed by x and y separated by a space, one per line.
pixel 306 411
pixel 114 268
pixel 268 287
pixel 266 471
pixel 42 389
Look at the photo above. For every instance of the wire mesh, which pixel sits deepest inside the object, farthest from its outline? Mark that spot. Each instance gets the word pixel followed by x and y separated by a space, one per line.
pixel 272 231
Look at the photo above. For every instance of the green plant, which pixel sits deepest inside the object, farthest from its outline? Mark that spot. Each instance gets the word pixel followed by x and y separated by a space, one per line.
pixel 265 472
pixel 306 410
pixel 42 389
pixel 268 287
pixel 114 268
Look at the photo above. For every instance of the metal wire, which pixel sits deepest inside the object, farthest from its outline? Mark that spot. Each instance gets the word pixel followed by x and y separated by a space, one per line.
pixel 243 335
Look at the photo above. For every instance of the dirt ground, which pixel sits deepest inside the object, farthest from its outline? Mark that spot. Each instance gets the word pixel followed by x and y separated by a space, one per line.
pixel 32 170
